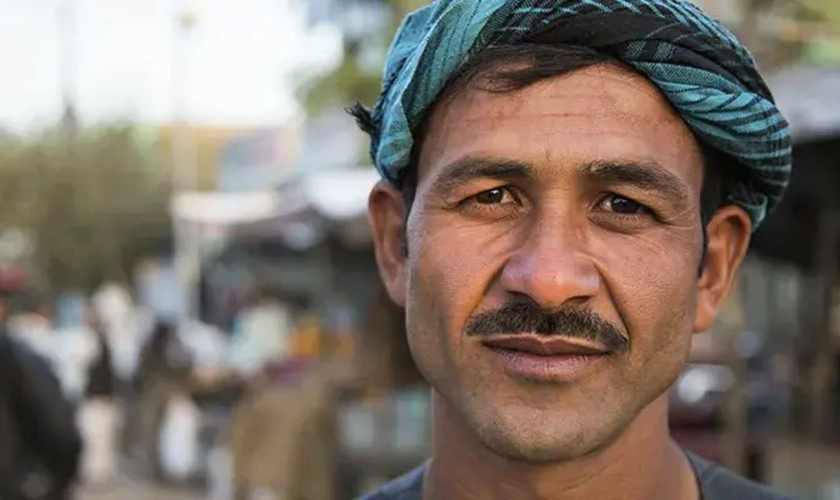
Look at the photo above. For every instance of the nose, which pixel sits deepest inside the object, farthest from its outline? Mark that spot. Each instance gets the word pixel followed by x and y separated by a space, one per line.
pixel 552 268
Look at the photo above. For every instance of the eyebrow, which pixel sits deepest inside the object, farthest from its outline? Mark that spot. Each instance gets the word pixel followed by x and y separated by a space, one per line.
pixel 646 176
pixel 470 169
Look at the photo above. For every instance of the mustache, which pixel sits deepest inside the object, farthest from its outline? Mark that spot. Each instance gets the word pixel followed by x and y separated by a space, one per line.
pixel 528 317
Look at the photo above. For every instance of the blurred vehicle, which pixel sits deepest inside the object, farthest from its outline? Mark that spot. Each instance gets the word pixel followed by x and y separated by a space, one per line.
pixel 380 439
pixel 697 401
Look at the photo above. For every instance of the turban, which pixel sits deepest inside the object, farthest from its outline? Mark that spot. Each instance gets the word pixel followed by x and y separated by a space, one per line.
pixel 699 66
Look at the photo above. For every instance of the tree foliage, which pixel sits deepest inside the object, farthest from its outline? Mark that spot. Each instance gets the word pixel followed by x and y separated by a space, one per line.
pixel 93 202
pixel 353 80
pixel 787 32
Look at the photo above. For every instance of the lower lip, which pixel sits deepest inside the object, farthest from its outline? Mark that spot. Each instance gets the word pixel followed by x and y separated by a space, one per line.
pixel 535 367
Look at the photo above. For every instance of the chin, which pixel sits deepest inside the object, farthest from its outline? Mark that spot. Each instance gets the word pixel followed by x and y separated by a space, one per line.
pixel 542 436
pixel 535 452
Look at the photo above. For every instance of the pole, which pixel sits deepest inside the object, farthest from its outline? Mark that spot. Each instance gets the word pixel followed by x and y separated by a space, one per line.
pixel 183 144
pixel 184 165
pixel 736 428
pixel 823 369
pixel 67 22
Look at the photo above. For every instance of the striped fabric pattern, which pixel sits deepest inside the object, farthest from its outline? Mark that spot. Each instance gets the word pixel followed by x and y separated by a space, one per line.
pixel 700 67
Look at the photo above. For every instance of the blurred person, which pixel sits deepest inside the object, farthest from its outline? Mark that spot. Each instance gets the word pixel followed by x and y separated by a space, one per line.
pixel 569 189
pixel 99 415
pixel 113 304
pixel 34 327
pixel 163 367
pixel 261 334
pixel 283 437
pixel 308 337
pixel 123 323
pixel 76 347
pixel 35 318
pixel 342 325
pixel 39 442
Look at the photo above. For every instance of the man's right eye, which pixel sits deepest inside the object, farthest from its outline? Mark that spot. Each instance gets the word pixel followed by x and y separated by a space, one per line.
pixel 500 202
pixel 496 196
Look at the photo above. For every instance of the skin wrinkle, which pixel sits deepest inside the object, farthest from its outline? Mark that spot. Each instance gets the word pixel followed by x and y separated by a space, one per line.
pixel 561 247
pixel 550 115
pixel 569 491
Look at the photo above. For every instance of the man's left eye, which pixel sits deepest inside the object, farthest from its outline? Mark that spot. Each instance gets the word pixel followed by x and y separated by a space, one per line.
pixel 622 205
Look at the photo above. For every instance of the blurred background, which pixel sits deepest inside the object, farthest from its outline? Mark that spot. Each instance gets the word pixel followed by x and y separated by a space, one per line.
pixel 184 246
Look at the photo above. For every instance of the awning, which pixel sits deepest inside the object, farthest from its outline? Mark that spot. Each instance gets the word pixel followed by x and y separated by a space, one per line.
pixel 223 209
pixel 301 211
pixel 313 205
pixel 809 97
pixel 338 195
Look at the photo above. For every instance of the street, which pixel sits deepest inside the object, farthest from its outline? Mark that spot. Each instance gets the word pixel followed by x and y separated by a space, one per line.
pixel 128 489
pixel 809 471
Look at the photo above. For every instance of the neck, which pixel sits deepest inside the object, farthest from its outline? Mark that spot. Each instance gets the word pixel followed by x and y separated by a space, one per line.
pixel 643 462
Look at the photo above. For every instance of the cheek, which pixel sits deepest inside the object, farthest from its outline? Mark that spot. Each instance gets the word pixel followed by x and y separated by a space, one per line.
pixel 654 289
pixel 658 280
pixel 450 268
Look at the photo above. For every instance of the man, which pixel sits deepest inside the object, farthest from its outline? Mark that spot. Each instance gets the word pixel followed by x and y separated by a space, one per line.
pixel 262 334
pixel 569 189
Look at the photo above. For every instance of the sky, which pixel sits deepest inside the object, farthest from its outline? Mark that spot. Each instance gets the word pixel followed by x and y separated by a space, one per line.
pixel 242 57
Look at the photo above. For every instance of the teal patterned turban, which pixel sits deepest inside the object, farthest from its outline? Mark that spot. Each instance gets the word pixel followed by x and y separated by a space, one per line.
pixel 700 67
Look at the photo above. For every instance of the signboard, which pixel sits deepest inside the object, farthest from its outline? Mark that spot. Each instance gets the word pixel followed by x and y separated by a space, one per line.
pixel 158 289
pixel 322 11
pixel 331 140
pixel 257 160
pixel 338 11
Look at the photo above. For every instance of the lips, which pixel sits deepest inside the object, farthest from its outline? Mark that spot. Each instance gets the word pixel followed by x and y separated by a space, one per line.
pixel 542 359
pixel 546 346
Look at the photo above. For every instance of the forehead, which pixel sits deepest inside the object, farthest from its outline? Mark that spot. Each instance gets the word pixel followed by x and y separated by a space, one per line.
pixel 603 113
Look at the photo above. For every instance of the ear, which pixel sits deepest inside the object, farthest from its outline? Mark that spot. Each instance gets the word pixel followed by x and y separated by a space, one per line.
pixel 387 219
pixel 728 237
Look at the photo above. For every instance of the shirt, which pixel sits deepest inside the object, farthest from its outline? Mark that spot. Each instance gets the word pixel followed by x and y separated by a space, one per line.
pixel 715 482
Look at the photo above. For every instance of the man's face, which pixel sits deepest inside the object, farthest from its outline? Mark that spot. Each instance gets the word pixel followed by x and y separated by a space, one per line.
pixel 567 210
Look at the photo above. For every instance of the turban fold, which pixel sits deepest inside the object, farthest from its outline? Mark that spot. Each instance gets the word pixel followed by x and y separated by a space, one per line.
pixel 699 66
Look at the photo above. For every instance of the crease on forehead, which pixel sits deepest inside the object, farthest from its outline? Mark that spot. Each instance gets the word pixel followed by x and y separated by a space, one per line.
pixel 599 75
pixel 478 114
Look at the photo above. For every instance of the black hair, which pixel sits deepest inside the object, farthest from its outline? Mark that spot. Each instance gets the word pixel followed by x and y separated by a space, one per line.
pixel 509 68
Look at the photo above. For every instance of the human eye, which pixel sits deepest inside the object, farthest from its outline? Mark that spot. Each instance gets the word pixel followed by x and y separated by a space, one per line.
pixel 623 212
pixel 623 205
pixel 504 200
